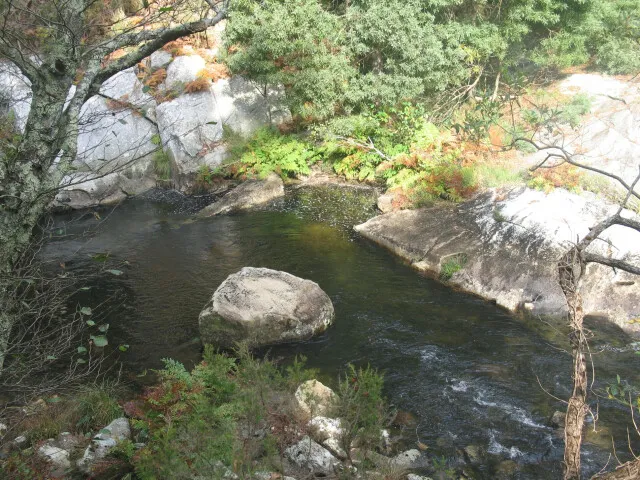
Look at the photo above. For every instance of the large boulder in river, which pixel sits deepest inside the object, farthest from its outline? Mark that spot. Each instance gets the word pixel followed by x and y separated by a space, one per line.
pixel 505 246
pixel 250 194
pixel 265 307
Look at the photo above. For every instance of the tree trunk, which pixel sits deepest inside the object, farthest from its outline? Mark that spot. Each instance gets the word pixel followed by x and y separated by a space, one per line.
pixel 570 271
pixel 24 176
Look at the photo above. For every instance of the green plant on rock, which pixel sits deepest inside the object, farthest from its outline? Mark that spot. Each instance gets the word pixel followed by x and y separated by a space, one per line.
pixel 451 265
pixel 162 164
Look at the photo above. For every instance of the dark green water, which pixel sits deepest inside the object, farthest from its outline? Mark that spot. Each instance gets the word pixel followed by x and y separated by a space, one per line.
pixel 469 372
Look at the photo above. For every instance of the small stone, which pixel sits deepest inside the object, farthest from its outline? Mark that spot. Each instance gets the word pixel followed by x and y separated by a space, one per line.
pixel 406 459
pixel 413 476
pixel 385 203
pixel 558 419
pixel 57 457
pixel 20 441
pixel 473 453
pixel 314 398
pixel 310 456
pixel 159 59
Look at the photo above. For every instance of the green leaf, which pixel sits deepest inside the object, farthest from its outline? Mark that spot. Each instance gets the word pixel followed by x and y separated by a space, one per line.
pixel 91 323
pixel 82 349
pixel 80 360
pixel 117 273
pixel 146 89
pixel 618 378
pixel 86 311
pixel 123 348
pixel 84 289
pixel 51 357
pixel 165 9
pixel 104 328
pixel 54 399
pixel 99 340
pixel 105 431
pixel 122 121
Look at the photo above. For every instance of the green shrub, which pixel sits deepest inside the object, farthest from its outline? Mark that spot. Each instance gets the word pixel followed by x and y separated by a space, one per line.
pixel 362 408
pixel 202 420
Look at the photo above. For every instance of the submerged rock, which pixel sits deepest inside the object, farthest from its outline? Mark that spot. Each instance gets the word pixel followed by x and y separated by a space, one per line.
pixel 265 307
pixel 505 246
pixel 246 196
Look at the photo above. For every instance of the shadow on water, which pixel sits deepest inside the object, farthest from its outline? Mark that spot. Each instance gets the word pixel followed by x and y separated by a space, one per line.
pixel 469 372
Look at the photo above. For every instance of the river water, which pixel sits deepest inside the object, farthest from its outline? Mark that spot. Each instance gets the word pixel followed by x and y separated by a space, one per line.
pixel 470 373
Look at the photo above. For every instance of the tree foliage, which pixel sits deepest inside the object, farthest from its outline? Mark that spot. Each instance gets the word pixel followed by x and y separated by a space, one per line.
pixel 343 56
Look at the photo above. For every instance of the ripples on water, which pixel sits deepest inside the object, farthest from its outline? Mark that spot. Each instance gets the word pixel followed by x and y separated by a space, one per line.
pixel 468 371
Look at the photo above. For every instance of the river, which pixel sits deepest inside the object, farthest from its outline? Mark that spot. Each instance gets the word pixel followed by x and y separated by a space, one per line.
pixel 469 372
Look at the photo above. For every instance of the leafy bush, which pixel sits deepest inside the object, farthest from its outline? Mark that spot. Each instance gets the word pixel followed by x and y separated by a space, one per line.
pixel 267 151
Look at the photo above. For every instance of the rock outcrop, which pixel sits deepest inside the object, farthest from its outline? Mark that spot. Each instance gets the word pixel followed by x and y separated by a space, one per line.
pixel 508 243
pixel 248 195
pixel 607 138
pixel 265 307
pixel 124 129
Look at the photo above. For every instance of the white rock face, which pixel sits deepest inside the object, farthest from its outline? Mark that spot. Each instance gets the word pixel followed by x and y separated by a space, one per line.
pixel 15 94
pixel 512 241
pixel 265 307
pixel 316 399
pixel 310 456
pixel 184 69
pixel 116 143
pixel 115 149
pixel 125 86
pixel 608 136
pixel 243 109
pixel 102 443
pixel 191 129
